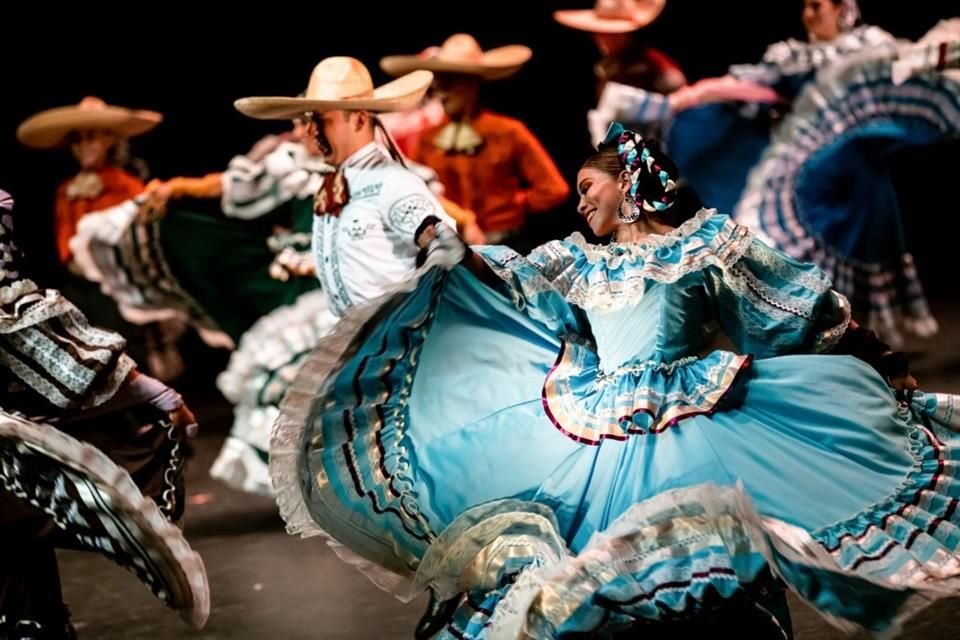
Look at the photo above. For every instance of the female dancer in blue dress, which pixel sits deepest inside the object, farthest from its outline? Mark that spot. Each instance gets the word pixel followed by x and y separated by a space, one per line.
pixel 816 184
pixel 553 449
pixel 716 129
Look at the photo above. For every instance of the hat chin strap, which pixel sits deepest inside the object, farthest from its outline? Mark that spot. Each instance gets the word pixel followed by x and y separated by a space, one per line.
pixel 391 144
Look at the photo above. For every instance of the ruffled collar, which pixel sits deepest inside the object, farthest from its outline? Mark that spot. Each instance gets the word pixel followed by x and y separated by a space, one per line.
pixel 654 241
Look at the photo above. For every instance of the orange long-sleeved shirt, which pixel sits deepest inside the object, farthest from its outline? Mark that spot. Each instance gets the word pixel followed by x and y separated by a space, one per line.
pixel 118 185
pixel 509 176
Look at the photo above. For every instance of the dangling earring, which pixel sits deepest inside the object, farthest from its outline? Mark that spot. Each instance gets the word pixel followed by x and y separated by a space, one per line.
pixel 628 212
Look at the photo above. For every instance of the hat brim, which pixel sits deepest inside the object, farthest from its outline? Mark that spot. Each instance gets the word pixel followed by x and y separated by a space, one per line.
pixel 50 129
pixel 495 64
pixel 587 20
pixel 399 95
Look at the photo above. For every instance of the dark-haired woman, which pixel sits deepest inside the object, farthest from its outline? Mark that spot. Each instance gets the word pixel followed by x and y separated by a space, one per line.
pixel 545 443
pixel 748 92
pixel 91 457
pixel 815 183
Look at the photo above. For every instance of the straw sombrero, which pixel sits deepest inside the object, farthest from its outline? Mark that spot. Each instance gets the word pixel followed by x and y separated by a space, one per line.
pixel 341 83
pixel 50 128
pixel 612 16
pixel 462 54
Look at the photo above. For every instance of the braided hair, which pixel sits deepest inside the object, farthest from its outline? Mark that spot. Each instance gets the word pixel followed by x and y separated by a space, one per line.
pixel 655 183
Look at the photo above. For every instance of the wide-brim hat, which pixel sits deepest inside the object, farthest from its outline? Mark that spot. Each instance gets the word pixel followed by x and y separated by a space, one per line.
pixel 461 54
pixel 341 83
pixel 612 16
pixel 49 129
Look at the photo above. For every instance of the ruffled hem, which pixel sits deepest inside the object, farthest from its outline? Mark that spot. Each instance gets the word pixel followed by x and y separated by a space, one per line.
pixel 13 292
pixel 242 466
pixel 120 249
pixel 184 576
pixel 34 307
pixel 465 546
pixel 910 538
pixel 644 398
pixel 272 343
pixel 886 296
pixel 256 380
pixel 73 364
pixel 287 439
pixel 684 548
pixel 634 571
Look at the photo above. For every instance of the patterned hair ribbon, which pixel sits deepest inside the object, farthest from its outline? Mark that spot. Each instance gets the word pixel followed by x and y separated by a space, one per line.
pixel 636 158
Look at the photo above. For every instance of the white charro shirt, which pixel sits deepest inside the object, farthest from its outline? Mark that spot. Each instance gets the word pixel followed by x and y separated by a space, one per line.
pixel 368 249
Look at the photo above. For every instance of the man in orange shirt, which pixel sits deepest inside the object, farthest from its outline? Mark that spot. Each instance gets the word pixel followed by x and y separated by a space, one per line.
pixel 93 130
pixel 96 133
pixel 488 163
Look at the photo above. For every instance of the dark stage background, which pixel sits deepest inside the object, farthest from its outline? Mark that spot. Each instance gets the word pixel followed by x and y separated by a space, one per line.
pixel 190 61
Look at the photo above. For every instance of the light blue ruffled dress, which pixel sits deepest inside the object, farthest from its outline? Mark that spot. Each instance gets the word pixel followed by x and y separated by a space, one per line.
pixel 565 453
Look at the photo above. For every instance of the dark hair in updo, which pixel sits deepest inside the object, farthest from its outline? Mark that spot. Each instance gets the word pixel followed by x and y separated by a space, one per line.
pixel 685 203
